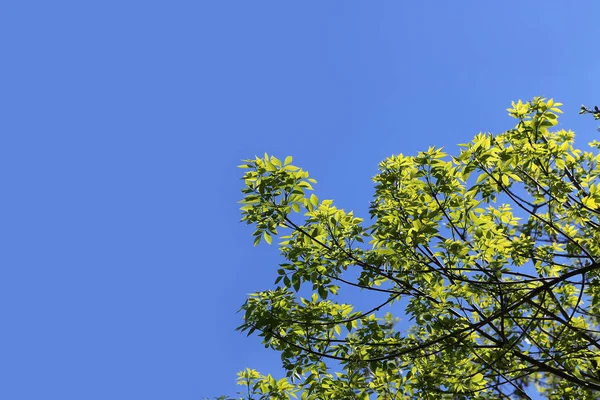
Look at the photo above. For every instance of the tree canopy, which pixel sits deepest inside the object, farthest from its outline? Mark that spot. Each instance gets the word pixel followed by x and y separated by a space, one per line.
pixel 490 257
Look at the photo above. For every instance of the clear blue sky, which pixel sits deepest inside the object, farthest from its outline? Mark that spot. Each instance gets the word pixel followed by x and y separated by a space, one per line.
pixel 123 262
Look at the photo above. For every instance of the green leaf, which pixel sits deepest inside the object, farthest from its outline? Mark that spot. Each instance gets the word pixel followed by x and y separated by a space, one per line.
pixel 337 329
pixel 481 178
pixel 296 282
pixel 268 238
pixel 314 200
pixel 275 161
pixel 477 378
pixel 270 166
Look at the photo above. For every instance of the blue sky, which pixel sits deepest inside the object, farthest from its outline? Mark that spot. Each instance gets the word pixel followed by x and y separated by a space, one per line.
pixel 123 259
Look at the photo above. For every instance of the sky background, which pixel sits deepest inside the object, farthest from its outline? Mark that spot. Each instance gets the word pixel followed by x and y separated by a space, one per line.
pixel 123 261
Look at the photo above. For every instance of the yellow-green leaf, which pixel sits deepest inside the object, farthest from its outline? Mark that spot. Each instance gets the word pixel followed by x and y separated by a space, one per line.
pixel 478 377
pixel 267 237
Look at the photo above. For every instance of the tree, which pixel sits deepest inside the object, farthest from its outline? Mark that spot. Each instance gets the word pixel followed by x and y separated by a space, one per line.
pixel 493 255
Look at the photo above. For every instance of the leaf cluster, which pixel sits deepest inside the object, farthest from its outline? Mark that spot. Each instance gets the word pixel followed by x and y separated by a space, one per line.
pixel 493 254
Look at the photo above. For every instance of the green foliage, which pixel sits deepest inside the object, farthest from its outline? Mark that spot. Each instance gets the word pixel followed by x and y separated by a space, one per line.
pixel 492 253
pixel 594 111
pixel 586 110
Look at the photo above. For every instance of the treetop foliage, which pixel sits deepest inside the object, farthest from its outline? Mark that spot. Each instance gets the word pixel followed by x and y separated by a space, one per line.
pixel 493 254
